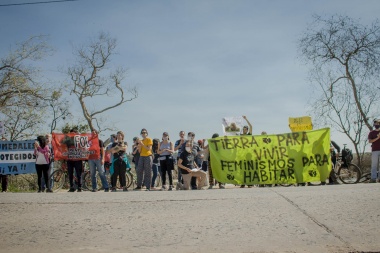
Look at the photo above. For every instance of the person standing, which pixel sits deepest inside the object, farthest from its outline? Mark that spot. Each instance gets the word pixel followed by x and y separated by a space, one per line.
pixel 98 165
pixel 120 162
pixel 78 166
pixel 155 163
pixel 42 153
pixel 166 150
pixel 51 164
pixel 374 139
pixel 144 167
pixel 178 148
pixel 135 151
pixel 189 167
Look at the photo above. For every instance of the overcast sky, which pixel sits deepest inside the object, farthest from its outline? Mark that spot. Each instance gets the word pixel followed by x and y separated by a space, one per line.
pixel 194 61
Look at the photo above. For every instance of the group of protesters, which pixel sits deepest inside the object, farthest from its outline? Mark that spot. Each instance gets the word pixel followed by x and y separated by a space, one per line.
pixel 152 156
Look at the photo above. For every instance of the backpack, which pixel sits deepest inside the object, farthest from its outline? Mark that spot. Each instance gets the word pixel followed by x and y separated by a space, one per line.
pixel 347 156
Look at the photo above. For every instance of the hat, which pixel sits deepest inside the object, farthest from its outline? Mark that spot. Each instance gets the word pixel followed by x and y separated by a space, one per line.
pixel 376 121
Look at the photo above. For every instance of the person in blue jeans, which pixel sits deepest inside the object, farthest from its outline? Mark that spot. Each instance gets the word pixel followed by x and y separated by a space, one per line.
pixel 98 165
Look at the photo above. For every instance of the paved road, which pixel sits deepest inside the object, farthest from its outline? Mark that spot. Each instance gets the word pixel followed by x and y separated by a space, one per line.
pixel 342 218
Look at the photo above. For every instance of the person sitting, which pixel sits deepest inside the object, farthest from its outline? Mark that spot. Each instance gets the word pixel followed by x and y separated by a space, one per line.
pixel 189 167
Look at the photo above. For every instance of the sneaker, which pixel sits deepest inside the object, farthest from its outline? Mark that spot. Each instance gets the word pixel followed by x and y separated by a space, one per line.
pixel 49 190
pixel 79 190
pixel 221 186
pixel 249 186
pixel 242 186
pixel 210 186
pixel 147 189
pixel 125 189
pixel 94 190
pixel 39 191
pixel 323 183
pixel 372 181
pixel 179 186
pixel 71 190
pixel 113 190
pixel 106 190
pixel 137 188
pixel 163 187
pixel 170 188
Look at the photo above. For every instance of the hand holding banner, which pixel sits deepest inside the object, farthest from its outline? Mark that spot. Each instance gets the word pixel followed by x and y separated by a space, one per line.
pixel 271 159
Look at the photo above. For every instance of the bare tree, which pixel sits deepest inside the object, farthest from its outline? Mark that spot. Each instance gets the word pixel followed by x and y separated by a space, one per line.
pixel 24 96
pixel 92 80
pixel 19 80
pixel 59 108
pixel 345 61
pixel 23 123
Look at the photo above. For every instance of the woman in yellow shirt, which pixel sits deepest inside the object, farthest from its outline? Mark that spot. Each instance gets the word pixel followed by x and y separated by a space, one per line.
pixel 144 167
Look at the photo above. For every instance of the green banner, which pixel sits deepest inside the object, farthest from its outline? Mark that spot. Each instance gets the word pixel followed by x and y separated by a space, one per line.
pixel 288 158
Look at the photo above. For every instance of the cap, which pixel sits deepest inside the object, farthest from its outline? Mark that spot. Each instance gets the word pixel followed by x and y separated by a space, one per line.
pixel 376 121
pixel 215 135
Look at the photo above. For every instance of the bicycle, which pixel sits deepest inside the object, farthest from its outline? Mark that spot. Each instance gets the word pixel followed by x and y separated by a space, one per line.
pixel 347 173
pixel 60 178
pixel 132 179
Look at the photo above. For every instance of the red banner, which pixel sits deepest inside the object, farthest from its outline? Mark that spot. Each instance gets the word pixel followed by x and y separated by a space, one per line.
pixel 74 146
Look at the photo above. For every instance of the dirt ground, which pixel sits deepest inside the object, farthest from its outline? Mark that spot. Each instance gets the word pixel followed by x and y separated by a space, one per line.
pixel 341 218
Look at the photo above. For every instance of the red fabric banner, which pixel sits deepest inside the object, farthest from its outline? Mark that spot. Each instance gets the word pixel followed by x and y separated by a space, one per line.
pixel 74 146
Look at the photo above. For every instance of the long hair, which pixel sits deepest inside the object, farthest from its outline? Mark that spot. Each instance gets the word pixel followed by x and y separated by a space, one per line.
pixel 155 144
pixel 42 141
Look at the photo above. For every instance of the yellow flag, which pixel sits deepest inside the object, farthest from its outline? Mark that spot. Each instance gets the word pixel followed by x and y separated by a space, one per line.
pixel 271 159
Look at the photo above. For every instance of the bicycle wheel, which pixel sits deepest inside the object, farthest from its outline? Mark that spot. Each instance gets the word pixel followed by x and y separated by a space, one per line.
pixel 365 178
pixel 129 178
pixel 157 183
pixel 350 174
pixel 87 183
pixel 59 178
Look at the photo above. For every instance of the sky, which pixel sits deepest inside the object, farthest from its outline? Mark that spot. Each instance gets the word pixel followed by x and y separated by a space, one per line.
pixel 193 61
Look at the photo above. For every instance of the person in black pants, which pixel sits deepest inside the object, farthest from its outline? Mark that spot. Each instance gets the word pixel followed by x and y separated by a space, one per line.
pixel 78 166
pixel 120 161
pixel 42 153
